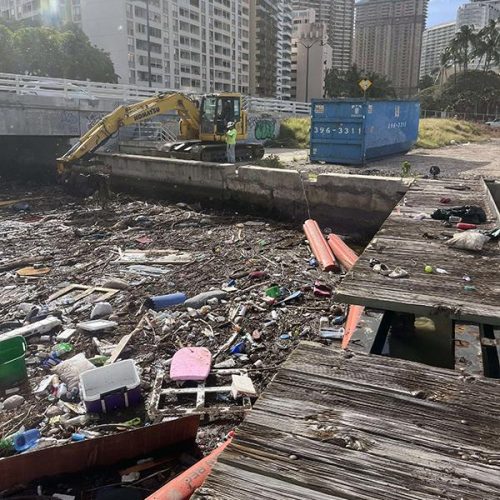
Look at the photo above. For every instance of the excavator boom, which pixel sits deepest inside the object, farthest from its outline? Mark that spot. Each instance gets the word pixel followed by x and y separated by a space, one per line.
pixel 128 115
pixel 202 129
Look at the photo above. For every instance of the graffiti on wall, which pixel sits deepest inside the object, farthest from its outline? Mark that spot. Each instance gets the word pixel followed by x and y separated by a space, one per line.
pixel 262 128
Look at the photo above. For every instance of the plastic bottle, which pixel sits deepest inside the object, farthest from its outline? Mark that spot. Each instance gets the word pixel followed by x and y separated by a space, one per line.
pixel 26 440
pixel 160 302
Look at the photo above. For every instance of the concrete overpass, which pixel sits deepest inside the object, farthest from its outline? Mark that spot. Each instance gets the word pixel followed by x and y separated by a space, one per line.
pixel 40 116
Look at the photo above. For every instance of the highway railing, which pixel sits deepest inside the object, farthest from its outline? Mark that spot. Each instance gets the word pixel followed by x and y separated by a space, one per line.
pixel 85 90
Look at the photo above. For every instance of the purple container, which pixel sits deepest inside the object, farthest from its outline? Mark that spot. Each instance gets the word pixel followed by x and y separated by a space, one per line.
pixel 111 387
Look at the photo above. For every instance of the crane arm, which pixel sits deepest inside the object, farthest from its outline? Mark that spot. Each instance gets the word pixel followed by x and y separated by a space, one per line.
pixel 128 115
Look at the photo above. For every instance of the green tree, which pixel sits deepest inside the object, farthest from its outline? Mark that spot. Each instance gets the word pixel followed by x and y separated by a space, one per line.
pixel 7 55
pixel 345 84
pixel 57 53
pixel 425 82
pixel 488 44
pixel 472 92
pixel 463 45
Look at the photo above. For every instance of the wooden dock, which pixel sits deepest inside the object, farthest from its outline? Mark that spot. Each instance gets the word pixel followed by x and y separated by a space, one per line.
pixel 409 242
pixel 347 425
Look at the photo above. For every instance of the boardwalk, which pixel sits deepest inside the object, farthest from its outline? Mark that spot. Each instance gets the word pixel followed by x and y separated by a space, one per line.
pixel 412 243
pixel 335 425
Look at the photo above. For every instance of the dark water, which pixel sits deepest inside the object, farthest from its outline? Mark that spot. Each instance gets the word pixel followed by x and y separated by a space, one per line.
pixel 431 343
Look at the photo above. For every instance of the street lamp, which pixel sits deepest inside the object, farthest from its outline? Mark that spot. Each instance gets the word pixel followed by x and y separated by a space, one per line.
pixel 308 48
pixel 148 40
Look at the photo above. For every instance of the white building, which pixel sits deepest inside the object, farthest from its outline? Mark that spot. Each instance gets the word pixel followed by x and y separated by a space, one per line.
pixel 311 56
pixel 39 11
pixel 478 13
pixel 194 45
pixel 434 42
pixel 284 44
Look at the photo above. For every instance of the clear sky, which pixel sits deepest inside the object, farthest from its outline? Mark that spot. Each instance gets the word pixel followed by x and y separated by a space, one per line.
pixel 442 11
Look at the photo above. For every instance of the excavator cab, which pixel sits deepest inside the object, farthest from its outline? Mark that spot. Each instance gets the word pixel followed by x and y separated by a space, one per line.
pixel 216 112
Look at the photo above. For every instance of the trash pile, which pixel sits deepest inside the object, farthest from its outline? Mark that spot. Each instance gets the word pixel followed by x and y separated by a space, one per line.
pixel 116 318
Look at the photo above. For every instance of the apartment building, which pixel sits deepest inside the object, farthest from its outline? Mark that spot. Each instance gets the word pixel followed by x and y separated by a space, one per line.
pixel 194 45
pixel 388 40
pixel 338 16
pixel 189 45
pixel 434 42
pixel 311 56
pixel 270 48
pixel 478 13
pixel 47 12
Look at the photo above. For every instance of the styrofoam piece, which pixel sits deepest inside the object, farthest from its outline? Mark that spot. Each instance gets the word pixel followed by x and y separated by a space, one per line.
pixel 191 363
pixel 242 385
pixel 111 387
pixel 43 326
pixel 96 325
pixel 66 334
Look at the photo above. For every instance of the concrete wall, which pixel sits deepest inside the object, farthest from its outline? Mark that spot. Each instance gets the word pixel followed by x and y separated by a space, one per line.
pixel 350 204
pixel 31 115
pixel 34 115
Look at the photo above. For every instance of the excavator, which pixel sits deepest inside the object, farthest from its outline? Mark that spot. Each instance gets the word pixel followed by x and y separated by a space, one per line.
pixel 202 128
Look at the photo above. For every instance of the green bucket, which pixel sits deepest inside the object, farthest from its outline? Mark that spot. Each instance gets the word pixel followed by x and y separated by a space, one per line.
pixel 12 362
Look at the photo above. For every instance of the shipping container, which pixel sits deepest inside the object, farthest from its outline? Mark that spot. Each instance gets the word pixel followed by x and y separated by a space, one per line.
pixel 353 131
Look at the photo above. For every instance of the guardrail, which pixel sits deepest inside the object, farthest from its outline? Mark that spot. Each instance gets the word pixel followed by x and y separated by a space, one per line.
pixel 85 90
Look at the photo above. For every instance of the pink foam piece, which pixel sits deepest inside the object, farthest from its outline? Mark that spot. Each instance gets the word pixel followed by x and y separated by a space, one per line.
pixel 191 363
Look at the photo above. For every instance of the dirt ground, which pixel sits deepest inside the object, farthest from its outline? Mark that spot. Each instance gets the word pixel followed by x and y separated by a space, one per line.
pixel 78 242
pixel 466 161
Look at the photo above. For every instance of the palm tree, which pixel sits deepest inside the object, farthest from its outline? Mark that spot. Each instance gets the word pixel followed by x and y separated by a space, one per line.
pixel 488 44
pixel 463 44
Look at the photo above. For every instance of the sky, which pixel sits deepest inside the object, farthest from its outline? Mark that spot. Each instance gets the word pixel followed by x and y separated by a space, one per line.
pixel 442 11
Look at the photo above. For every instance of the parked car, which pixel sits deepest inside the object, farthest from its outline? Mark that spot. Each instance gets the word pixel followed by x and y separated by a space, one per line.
pixel 494 123
pixel 48 88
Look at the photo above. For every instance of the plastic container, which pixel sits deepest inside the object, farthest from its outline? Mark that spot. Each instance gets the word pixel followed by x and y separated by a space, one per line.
pixel 12 361
pixel 25 440
pixel 352 131
pixel 163 301
pixel 111 387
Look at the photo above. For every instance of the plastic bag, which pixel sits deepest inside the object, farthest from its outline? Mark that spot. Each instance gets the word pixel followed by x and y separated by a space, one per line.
pixel 69 370
pixel 468 213
pixel 468 240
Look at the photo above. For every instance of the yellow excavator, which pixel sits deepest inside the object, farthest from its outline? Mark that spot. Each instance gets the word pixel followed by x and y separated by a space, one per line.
pixel 202 129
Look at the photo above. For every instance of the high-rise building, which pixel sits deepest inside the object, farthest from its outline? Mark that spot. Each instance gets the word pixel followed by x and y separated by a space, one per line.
pixel 338 15
pixel 311 56
pixel 478 13
pixel 47 12
pixel 190 45
pixel 270 48
pixel 434 42
pixel 193 46
pixel 388 40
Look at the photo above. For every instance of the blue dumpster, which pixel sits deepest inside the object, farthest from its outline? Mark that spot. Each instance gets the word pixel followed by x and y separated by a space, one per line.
pixel 352 131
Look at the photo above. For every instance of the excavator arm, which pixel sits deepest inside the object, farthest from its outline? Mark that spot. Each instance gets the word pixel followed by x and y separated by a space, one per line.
pixel 128 115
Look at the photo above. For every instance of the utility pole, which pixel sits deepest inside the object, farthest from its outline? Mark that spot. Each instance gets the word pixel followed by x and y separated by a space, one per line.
pixel 308 48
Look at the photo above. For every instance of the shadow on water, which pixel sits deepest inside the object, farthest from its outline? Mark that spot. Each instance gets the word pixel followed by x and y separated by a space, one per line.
pixel 424 340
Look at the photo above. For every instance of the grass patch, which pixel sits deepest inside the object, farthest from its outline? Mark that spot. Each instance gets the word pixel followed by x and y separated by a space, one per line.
pixel 271 161
pixel 294 134
pixel 433 133
pixel 436 132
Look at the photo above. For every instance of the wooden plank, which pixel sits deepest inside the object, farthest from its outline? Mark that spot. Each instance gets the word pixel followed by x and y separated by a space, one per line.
pixel 347 425
pixel 468 352
pixel 407 241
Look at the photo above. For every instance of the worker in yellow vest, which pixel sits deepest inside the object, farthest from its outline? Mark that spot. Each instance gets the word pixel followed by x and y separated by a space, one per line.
pixel 231 142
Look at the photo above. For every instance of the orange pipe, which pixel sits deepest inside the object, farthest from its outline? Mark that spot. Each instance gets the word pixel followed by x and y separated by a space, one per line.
pixel 353 317
pixel 185 484
pixel 342 252
pixel 320 248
